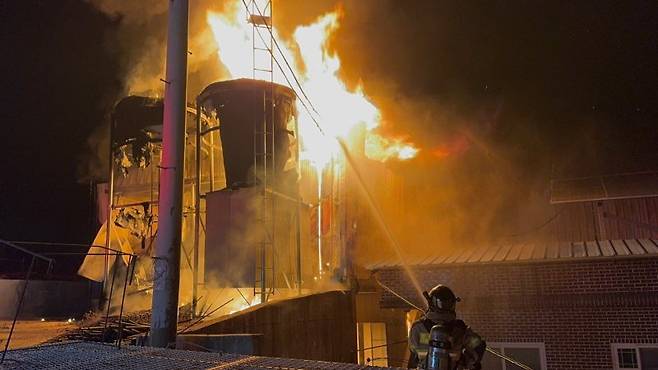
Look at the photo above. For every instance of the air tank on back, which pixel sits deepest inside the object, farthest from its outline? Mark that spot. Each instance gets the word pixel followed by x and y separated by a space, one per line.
pixel 244 110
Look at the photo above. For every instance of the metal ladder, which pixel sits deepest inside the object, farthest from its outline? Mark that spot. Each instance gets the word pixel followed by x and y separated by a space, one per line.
pixel 260 17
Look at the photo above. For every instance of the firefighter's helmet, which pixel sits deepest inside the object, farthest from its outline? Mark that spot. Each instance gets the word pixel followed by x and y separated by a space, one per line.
pixel 441 298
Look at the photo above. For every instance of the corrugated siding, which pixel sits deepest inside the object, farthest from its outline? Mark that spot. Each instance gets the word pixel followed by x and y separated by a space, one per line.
pixel 608 219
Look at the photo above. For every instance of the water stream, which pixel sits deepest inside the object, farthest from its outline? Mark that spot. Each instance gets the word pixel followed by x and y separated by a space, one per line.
pixel 379 217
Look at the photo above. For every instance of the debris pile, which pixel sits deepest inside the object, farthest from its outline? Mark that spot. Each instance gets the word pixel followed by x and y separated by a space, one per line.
pixel 129 328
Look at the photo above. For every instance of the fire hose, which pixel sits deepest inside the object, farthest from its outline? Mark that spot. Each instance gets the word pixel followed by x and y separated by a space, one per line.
pixel 508 359
pixel 492 351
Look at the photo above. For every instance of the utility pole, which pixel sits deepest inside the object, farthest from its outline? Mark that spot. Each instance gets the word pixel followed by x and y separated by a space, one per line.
pixel 168 245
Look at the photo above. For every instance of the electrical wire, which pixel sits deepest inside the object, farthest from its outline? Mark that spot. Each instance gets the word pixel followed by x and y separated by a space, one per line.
pixel 382 345
pixel 396 294
pixel 509 359
pixel 269 29
pixel 536 228
pixel 315 121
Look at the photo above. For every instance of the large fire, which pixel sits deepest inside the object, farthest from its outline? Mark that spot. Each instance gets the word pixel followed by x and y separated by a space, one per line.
pixel 339 109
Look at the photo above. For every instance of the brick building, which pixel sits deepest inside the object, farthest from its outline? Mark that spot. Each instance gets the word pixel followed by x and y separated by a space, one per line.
pixel 584 295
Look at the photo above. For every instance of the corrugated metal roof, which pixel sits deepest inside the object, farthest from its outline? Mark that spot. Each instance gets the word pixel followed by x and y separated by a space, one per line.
pixel 619 186
pixel 529 251
pixel 92 356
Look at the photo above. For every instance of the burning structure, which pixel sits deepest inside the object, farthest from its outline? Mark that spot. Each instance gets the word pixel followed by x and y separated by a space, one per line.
pixel 242 174
pixel 266 202
pixel 267 206
pixel 255 215
pixel 248 224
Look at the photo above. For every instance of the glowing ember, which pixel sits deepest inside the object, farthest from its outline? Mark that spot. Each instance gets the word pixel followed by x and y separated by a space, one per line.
pixel 340 109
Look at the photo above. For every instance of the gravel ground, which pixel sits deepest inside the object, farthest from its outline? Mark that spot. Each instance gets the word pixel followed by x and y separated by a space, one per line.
pixel 32 332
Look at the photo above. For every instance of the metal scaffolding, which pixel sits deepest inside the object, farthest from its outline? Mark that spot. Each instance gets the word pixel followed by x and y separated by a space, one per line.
pixel 204 127
pixel 260 17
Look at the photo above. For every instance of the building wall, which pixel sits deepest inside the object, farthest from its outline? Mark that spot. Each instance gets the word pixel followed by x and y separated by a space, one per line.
pixel 576 308
pixel 368 310
pixel 314 327
pixel 606 219
pixel 50 299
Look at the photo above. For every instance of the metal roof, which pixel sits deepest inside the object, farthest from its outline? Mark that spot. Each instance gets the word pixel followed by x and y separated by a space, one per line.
pixel 619 186
pixel 92 356
pixel 528 252
pixel 244 84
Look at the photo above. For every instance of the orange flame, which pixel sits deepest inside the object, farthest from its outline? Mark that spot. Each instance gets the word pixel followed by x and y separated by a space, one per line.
pixel 340 109
pixel 383 149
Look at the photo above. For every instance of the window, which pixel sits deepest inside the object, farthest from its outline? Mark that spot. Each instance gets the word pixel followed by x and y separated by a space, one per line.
pixel 635 356
pixel 371 343
pixel 627 358
pixel 531 354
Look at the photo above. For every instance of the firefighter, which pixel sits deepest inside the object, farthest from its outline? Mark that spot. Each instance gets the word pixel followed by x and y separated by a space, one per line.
pixel 453 343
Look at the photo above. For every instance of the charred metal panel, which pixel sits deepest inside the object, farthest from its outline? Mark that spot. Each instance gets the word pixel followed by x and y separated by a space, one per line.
pixel 241 107
pixel 232 234
pixel 133 114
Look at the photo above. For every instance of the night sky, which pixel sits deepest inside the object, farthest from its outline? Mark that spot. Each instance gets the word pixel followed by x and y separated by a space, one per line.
pixel 58 82
pixel 553 88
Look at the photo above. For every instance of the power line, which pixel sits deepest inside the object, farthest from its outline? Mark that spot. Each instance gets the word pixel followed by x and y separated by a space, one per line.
pixel 315 121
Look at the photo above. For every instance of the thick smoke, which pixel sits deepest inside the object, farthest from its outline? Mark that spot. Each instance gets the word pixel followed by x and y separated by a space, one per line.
pixel 139 43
